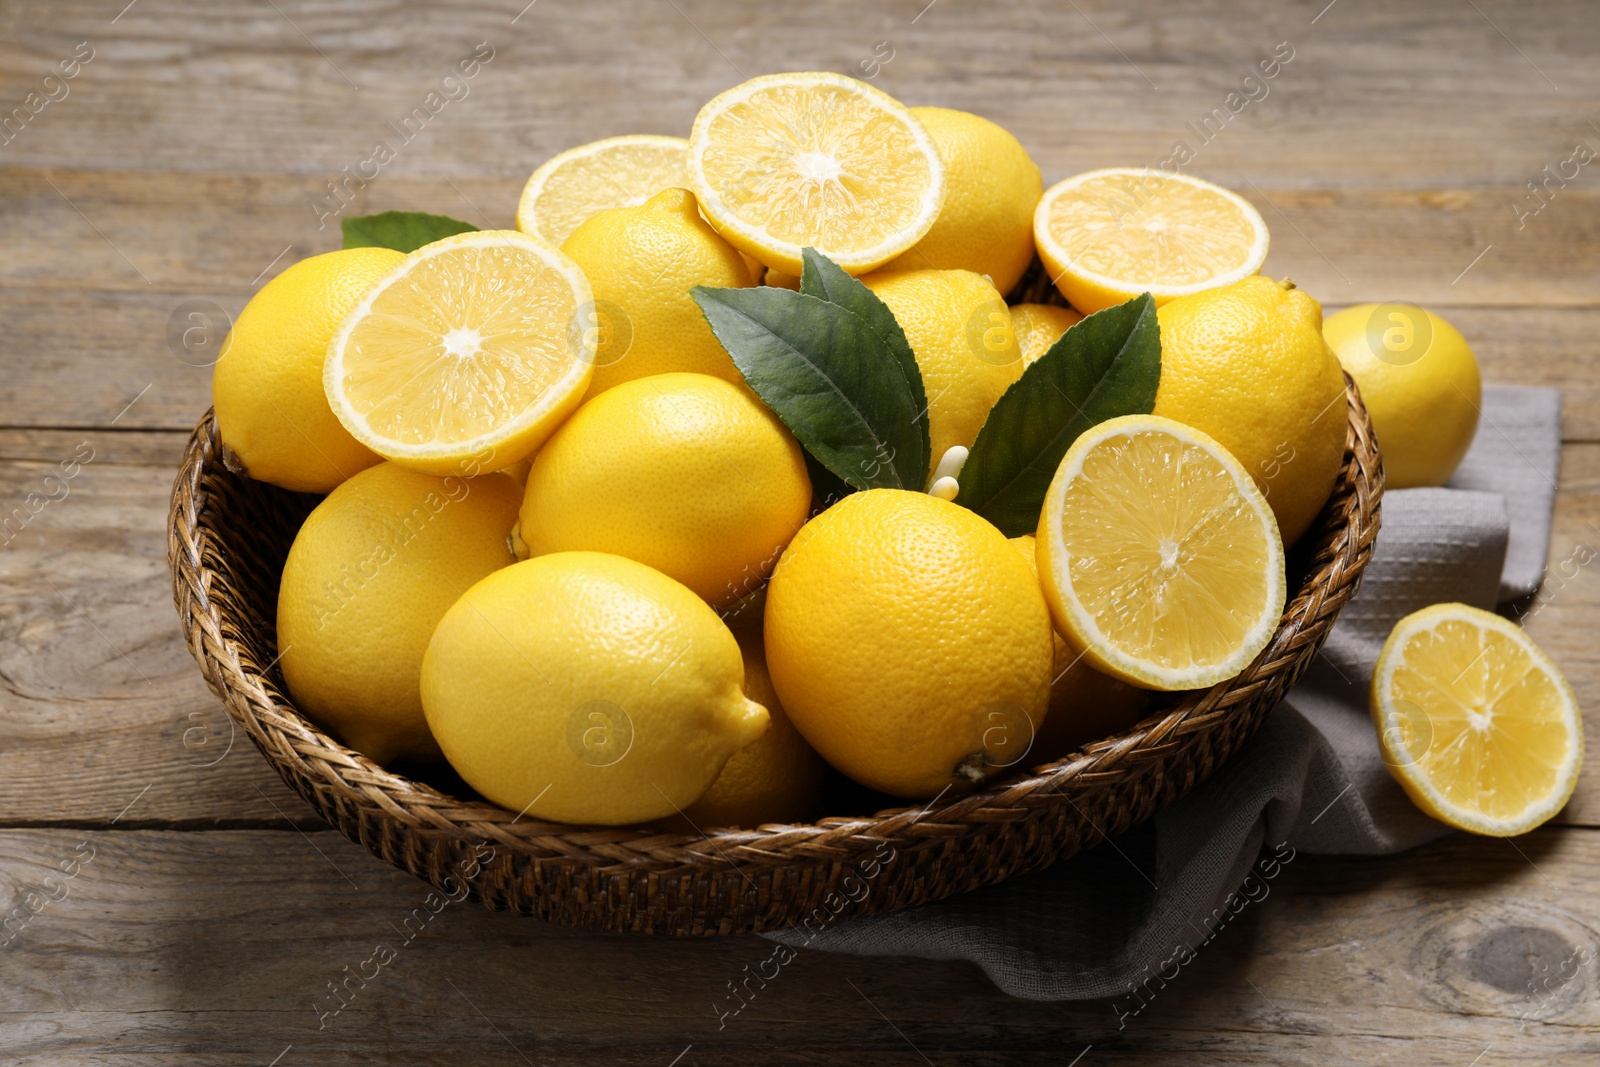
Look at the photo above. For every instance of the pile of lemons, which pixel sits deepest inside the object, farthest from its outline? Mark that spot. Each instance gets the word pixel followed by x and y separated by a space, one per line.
pixel 567 548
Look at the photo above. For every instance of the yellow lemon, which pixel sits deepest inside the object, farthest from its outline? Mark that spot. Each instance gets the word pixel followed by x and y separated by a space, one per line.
pixel 687 473
pixel 1085 705
pixel 467 354
pixel 775 778
pixel 642 262
pixel 1159 556
pixel 369 576
pixel 1038 326
pixel 1475 722
pixel 586 688
pixel 789 161
pixel 909 643
pixel 267 386
pixel 960 330
pixel 1108 235
pixel 581 182
pixel 1247 364
pixel 1420 382
pixel 991 186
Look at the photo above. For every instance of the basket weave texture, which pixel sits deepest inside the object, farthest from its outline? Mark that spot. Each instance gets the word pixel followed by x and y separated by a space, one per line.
pixel 227 540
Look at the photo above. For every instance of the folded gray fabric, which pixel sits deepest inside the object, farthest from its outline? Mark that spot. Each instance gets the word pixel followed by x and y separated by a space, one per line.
pixel 1122 919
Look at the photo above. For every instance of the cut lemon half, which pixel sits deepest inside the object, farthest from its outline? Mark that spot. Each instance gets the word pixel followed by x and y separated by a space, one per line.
pixel 465 356
pixel 1159 557
pixel 582 182
pixel 1475 722
pixel 1108 235
pixel 787 161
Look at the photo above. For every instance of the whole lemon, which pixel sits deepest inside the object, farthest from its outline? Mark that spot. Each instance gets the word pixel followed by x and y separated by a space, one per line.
pixel 1420 382
pixel 267 385
pixel 641 262
pixel 960 331
pixel 684 472
pixel 1085 705
pixel 775 778
pixel 909 643
pixel 369 576
pixel 1038 326
pixel 991 186
pixel 1246 363
pixel 587 688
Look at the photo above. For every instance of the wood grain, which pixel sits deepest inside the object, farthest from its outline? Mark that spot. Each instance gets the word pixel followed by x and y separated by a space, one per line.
pixel 219 947
pixel 100 702
pixel 1415 92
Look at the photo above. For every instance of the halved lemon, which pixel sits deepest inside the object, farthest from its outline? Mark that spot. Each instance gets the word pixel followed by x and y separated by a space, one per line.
pixel 1108 235
pixel 787 161
pixel 466 356
pixel 582 182
pixel 1475 722
pixel 1159 557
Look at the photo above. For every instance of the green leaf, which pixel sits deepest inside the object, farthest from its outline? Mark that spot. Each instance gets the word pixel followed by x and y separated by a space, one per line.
pixel 822 277
pixel 1107 365
pixel 828 376
pixel 403 231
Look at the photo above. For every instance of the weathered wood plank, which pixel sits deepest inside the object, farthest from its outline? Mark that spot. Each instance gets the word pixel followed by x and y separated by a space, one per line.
pixel 100 703
pixel 98 695
pixel 1410 93
pixel 220 947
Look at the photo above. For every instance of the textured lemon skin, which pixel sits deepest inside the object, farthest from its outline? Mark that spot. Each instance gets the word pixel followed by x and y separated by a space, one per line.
pixel 1424 410
pixel 960 330
pixel 1085 705
pixel 683 472
pixel 776 778
pixel 1038 326
pixel 370 574
pixel 1404 770
pixel 587 688
pixel 1246 364
pixel 644 260
pixel 896 625
pixel 991 186
pixel 267 386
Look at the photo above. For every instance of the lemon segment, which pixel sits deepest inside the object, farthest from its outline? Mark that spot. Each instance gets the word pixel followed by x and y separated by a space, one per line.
pixel 1108 235
pixel 1475 722
pixel 465 354
pixel 581 182
pixel 787 161
pixel 1159 557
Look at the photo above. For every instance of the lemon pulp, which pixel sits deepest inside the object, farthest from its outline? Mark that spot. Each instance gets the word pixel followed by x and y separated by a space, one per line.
pixel 1161 558
pixel 1476 722
pixel 467 348
pixel 789 161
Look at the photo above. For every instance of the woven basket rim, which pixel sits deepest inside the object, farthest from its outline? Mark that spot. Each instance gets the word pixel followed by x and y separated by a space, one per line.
pixel 259 703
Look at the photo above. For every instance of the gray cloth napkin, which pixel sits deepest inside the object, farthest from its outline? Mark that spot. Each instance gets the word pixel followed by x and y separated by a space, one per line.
pixel 1121 919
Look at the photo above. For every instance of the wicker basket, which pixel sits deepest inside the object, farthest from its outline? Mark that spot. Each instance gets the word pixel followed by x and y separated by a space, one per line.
pixel 228 537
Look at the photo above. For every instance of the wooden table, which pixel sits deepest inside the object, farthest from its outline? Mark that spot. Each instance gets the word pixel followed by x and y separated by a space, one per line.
pixel 180 168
